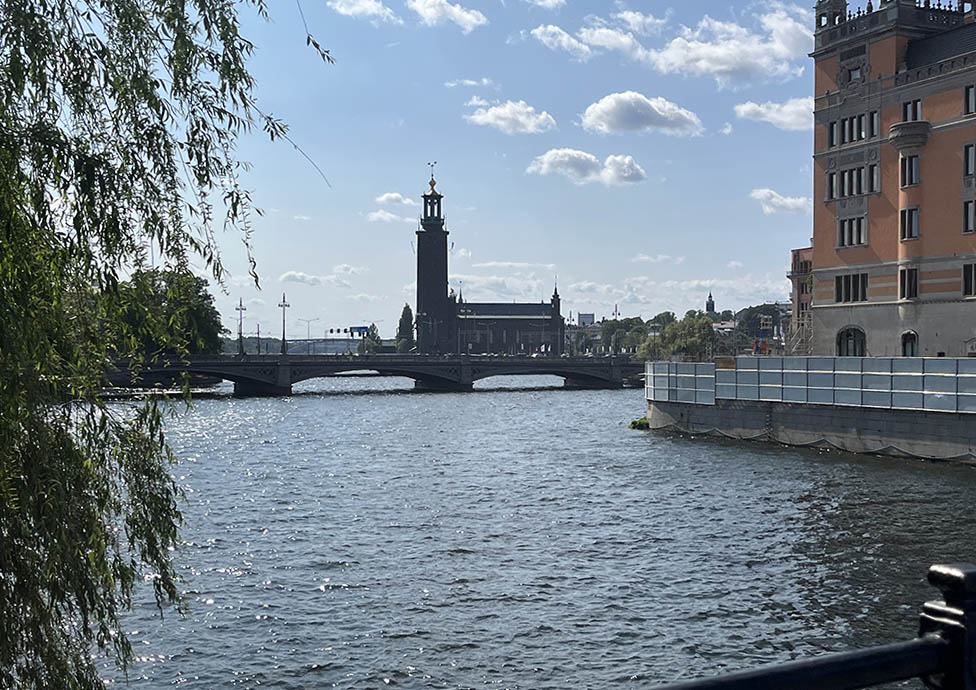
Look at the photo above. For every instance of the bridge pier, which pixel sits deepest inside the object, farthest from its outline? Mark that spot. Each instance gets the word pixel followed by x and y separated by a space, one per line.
pixel 259 389
pixel 441 386
pixel 591 384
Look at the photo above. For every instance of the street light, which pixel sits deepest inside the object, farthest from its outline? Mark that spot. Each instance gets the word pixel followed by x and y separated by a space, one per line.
pixel 240 308
pixel 284 305
pixel 308 338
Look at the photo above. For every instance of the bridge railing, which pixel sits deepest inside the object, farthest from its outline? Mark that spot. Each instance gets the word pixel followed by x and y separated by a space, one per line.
pixel 943 656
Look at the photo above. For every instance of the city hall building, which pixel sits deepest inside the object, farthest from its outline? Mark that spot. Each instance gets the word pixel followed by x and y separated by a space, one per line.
pixel 447 324
pixel 893 263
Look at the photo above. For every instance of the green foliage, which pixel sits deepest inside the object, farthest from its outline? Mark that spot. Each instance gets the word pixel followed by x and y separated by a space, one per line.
pixel 372 342
pixel 173 312
pixel 640 424
pixel 749 320
pixel 622 334
pixel 727 315
pixel 404 337
pixel 664 318
pixel 118 126
pixel 692 338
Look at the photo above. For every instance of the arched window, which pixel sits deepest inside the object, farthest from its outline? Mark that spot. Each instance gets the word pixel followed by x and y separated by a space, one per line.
pixel 909 344
pixel 851 343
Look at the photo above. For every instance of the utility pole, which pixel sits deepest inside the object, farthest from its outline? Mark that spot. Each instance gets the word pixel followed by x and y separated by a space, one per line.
pixel 259 337
pixel 240 326
pixel 284 305
pixel 308 334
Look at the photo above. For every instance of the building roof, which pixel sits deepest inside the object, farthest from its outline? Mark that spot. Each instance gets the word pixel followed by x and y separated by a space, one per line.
pixel 943 46
pixel 501 309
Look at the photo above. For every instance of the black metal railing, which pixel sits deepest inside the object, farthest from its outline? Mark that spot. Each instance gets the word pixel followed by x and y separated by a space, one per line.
pixel 943 655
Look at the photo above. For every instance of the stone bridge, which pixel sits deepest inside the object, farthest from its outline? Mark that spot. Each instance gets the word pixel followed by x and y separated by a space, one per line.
pixel 255 375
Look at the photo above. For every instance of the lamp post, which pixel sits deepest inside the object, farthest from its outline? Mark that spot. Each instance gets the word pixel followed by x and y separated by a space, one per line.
pixel 308 337
pixel 240 326
pixel 259 336
pixel 284 305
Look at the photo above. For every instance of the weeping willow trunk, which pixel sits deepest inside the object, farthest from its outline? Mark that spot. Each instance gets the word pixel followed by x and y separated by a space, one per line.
pixel 118 123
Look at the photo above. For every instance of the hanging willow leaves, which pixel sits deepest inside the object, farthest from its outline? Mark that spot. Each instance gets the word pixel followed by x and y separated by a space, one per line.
pixel 118 126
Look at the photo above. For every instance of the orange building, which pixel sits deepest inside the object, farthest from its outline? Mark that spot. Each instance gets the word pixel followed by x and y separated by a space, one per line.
pixel 801 267
pixel 894 227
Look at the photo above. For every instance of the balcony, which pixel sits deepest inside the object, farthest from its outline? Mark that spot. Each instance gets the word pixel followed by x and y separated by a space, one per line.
pixel 910 135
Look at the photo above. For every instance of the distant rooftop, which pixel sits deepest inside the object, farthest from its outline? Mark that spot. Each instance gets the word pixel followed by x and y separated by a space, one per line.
pixel 542 309
pixel 949 44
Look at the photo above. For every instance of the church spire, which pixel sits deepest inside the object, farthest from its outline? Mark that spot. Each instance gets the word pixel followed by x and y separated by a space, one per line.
pixel 433 217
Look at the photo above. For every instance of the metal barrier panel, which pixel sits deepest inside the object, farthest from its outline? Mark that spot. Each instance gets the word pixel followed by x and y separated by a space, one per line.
pixel 935 384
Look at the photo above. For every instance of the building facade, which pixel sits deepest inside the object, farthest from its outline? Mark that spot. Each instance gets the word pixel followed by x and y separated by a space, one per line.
pixel 893 263
pixel 801 278
pixel 447 324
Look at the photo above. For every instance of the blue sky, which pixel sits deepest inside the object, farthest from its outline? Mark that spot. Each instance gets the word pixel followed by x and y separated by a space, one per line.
pixel 643 152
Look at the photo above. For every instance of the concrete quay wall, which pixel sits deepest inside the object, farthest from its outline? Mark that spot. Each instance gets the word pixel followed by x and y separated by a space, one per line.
pixel 905 433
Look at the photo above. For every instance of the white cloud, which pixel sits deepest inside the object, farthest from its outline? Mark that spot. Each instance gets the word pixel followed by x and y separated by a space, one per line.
pixel 516 265
pixel 554 38
pixel 547 4
pixel 384 216
pixel 395 198
pixel 679 295
pixel 631 111
pixel 256 302
pixel 307 279
pixel 732 54
pixel 436 12
pixel 613 39
pixel 462 253
pixel 302 218
pixel 582 167
pixel 346 269
pixel 476 101
pixel 726 129
pixel 367 9
pixel 484 81
pixel 735 264
pixel 513 117
pixel 794 115
pixel 774 202
pixel 658 259
pixel 363 297
pixel 640 23
pixel 492 288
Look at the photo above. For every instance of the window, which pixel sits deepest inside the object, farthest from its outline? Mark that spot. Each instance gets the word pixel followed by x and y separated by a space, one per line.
pixel 970 100
pixel 874 126
pixel 909 344
pixel 854 74
pixel 874 178
pixel 909 170
pixel 851 343
pixel 911 111
pixel 969 216
pixel 852 287
pixel 831 186
pixel 861 130
pixel 832 135
pixel 909 223
pixel 969 159
pixel 969 280
pixel 845 131
pixel 851 232
pixel 908 283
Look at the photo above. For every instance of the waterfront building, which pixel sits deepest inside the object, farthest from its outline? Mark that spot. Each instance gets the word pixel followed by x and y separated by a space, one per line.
pixel 894 231
pixel 446 323
pixel 586 319
pixel 800 276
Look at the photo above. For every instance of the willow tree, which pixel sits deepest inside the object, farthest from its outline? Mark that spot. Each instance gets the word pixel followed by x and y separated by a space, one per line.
pixel 118 124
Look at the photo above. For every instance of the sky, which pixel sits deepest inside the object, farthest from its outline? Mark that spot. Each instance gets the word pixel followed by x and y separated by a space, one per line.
pixel 643 154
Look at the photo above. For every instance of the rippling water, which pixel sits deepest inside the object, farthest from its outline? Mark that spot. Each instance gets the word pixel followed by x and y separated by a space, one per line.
pixel 525 539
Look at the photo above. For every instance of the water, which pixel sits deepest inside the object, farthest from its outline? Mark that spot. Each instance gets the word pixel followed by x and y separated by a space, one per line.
pixel 525 539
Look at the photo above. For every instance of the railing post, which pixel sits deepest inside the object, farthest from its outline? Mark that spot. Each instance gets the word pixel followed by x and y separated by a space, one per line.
pixel 953 619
